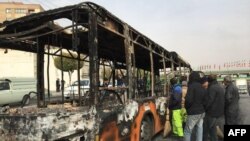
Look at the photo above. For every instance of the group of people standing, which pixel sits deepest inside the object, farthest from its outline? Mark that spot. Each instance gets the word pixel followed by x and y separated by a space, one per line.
pixel 200 104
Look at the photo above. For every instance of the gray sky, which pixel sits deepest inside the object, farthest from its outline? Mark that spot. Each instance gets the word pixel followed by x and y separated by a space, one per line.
pixel 201 31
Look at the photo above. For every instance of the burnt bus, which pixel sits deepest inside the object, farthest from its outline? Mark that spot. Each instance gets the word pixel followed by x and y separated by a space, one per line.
pixel 133 111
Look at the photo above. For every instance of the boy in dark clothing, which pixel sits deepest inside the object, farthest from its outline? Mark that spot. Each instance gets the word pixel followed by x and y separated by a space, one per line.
pixel 214 108
pixel 175 106
pixel 194 105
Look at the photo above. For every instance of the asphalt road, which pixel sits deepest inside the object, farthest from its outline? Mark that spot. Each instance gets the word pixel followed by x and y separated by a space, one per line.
pixel 244 115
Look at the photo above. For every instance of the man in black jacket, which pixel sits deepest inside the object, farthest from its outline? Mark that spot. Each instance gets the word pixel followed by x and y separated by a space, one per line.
pixel 194 104
pixel 215 103
pixel 231 102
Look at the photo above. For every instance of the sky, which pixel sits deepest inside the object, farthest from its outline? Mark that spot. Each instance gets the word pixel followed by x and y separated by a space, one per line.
pixel 200 31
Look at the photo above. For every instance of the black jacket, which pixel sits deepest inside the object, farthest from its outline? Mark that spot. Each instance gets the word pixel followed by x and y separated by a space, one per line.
pixel 215 101
pixel 231 104
pixel 194 100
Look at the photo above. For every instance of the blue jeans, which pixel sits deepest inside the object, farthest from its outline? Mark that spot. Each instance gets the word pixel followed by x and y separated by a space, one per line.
pixel 192 121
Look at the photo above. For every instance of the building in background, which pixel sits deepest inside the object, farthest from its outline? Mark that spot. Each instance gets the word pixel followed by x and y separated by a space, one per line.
pixel 13 62
pixel 13 10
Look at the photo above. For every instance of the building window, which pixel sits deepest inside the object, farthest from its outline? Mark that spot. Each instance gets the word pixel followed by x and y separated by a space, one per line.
pixel 4 85
pixel 8 10
pixel 20 11
pixel 31 11
pixel 9 19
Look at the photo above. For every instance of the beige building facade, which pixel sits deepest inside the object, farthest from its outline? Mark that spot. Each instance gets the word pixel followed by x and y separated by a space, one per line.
pixel 13 10
pixel 15 63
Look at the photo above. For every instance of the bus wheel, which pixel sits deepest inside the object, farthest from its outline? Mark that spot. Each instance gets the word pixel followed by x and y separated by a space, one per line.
pixel 147 130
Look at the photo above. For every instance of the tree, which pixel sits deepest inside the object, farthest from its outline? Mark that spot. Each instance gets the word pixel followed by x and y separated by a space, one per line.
pixel 108 72
pixel 68 64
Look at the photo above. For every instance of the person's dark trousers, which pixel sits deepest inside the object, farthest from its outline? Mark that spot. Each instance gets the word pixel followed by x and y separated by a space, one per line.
pixel 209 129
pixel 58 89
pixel 231 119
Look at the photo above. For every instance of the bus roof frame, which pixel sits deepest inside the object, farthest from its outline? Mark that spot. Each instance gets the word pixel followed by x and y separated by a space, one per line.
pixel 95 32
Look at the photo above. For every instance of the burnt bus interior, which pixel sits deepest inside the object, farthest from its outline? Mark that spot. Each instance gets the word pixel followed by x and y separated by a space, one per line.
pixel 106 42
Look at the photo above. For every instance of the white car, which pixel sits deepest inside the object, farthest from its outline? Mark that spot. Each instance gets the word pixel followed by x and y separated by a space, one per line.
pixel 72 90
pixel 17 89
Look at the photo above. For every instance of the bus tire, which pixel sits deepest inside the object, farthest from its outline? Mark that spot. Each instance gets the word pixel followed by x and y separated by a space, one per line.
pixel 147 129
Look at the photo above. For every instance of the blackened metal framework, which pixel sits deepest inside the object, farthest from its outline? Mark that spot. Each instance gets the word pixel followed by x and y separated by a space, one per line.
pixel 104 36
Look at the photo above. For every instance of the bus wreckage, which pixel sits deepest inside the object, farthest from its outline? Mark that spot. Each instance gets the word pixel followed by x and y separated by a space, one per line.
pixel 131 112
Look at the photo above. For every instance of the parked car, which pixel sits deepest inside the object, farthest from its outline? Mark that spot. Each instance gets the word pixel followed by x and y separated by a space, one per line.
pixel 72 90
pixel 15 90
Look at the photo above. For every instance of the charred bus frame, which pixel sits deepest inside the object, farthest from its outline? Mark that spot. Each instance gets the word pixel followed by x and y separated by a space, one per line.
pixel 100 35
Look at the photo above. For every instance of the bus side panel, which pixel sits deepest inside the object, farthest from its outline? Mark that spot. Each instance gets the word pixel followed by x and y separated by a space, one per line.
pixel 135 128
pixel 148 108
pixel 51 126
pixel 110 132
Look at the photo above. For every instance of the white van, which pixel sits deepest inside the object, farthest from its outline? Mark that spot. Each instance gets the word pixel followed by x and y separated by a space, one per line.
pixel 73 89
pixel 242 86
pixel 14 90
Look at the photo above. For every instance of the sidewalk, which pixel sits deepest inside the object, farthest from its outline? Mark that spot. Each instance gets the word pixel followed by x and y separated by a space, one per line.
pixel 55 94
pixel 52 93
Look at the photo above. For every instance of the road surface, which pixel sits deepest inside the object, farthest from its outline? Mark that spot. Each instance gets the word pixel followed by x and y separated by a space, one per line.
pixel 244 115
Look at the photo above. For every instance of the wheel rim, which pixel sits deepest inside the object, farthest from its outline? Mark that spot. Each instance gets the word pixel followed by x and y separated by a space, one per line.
pixel 146 129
